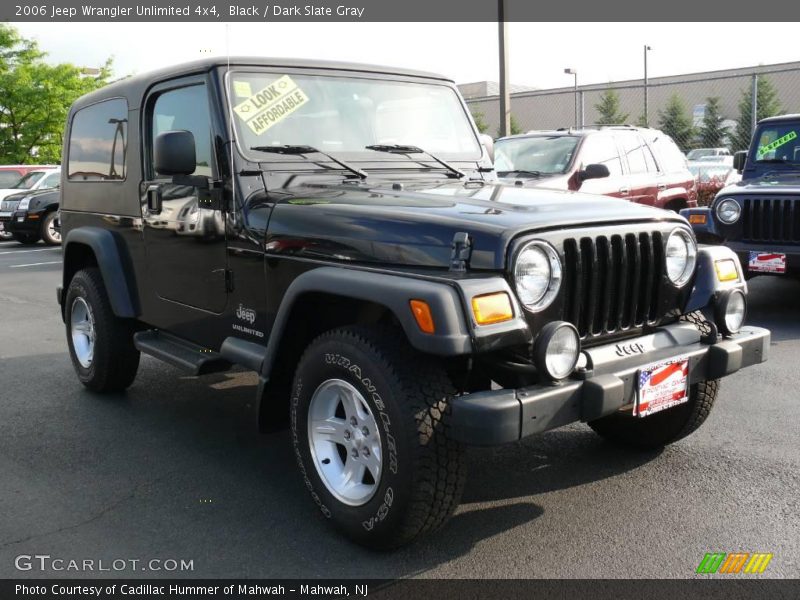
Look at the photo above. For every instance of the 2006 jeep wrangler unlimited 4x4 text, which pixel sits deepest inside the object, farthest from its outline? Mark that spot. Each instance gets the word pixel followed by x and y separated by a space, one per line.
pixel 338 229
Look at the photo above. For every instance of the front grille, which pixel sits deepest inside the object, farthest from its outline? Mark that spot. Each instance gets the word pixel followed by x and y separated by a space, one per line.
pixel 9 205
pixel 612 282
pixel 771 220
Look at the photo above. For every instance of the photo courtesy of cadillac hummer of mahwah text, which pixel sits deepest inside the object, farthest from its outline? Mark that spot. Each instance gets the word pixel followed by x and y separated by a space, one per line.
pixel 339 230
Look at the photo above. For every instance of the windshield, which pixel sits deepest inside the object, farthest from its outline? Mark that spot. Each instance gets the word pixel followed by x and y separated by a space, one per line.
pixel 343 115
pixel 28 181
pixel 701 153
pixel 778 142
pixel 542 154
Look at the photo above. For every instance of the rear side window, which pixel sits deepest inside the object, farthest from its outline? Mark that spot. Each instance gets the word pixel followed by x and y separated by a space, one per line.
pixel 601 150
pixel 97 142
pixel 633 147
pixel 669 156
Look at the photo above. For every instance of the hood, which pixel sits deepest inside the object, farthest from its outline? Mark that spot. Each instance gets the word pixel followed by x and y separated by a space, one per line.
pixel 414 224
pixel 771 183
pixel 557 181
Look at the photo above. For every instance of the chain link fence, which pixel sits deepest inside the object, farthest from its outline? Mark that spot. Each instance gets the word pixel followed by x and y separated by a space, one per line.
pixel 700 110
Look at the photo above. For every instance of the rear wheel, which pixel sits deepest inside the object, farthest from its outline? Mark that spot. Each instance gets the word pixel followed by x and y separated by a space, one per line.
pixel 49 233
pixel 100 343
pixel 370 428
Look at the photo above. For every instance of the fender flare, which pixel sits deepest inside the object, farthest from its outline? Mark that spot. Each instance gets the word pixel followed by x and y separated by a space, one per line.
pixel 114 264
pixel 452 336
pixel 706 284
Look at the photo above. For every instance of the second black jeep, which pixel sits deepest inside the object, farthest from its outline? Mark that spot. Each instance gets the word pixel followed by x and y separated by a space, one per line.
pixel 339 230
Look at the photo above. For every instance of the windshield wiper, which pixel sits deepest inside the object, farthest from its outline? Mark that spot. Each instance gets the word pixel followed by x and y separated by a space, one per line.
pixel 402 149
pixel 521 172
pixel 300 150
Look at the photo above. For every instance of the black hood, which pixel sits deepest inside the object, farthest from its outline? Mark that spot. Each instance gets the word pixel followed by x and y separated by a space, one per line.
pixel 415 225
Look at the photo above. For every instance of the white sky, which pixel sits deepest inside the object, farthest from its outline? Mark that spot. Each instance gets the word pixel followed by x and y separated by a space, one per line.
pixel 539 52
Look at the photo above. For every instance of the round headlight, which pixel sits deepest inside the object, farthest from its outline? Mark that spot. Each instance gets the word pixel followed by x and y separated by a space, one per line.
pixel 681 256
pixel 731 310
pixel 557 349
pixel 728 211
pixel 537 275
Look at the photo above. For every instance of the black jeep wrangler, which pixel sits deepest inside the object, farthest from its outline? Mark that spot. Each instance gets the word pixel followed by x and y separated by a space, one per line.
pixel 759 217
pixel 338 229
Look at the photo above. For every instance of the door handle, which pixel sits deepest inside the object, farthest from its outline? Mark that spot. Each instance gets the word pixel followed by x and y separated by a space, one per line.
pixel 154 199
pixel 661 187
pixel 624 191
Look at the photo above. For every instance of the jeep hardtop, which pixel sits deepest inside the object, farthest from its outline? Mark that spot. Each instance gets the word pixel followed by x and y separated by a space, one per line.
pixel 339 230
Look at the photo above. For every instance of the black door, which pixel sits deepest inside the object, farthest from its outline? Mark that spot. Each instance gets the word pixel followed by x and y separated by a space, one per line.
pixel 185 243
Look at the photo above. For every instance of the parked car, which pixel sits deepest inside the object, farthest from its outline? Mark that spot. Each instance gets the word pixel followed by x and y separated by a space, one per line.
pixel 395 300
pixel 11 174
pixel 31 216
pixel 35 179
pixel 711 177
pixel 759 217
pixel 640 165
pixel 706 153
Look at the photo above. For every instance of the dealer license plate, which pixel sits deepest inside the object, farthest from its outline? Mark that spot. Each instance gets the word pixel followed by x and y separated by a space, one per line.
pixel 767 262
pixel 5 214
pixel 662 385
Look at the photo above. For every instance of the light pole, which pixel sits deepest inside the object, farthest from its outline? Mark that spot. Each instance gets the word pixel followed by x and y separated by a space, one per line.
pixel 505 95
pixel 646 50
pixel 575 74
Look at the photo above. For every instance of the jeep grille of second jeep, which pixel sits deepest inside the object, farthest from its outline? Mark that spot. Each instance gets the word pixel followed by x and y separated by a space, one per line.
pixel 771 220
pixel 612 282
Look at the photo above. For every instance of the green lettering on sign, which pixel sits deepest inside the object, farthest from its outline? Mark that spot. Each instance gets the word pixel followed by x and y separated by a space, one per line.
pixel 763 150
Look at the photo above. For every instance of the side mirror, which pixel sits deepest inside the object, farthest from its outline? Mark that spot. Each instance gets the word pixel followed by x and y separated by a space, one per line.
pixel 593 171
pixel 174 153
pixel 739 158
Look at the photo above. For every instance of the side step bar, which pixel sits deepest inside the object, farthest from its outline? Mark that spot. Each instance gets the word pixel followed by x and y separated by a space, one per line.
pixel 180 353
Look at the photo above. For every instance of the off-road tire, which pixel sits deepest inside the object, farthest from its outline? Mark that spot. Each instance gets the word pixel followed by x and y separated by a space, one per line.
pixel 115 360
pixel 45 231
pixel 668 426
pixel 423 470
pixel 26 239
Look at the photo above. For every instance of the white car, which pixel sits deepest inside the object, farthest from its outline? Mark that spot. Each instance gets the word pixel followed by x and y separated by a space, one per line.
pixel 40 179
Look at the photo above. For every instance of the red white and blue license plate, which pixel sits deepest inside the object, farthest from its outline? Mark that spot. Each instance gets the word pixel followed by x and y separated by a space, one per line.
pixel 767 262
pixel 661 386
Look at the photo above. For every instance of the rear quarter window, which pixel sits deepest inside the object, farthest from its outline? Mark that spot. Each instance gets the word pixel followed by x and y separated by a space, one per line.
pixel 97 142
pixel 668 155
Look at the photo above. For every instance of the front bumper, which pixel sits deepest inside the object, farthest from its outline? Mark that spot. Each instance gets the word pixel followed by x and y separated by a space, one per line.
pixel 608 384
pixel 743 251
pixel 22 222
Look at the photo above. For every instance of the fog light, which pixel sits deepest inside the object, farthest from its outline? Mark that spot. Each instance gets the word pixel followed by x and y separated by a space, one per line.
pixel 730 312
pixel 556 350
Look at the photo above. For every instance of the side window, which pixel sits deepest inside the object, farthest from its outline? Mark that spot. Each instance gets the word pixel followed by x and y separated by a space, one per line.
pixel 51 181
pixel 602 150
pixel 97 142
pixel 185 109
pixel 670 158
pixel 632 146
pixel 650 160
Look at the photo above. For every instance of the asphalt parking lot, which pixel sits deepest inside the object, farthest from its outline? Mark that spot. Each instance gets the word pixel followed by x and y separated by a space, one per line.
pixel 174 469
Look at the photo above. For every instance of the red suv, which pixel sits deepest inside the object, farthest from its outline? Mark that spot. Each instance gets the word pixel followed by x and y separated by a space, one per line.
pixel 640 165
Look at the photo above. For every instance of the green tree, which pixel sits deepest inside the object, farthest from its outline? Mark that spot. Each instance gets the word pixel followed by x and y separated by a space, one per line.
pixel 515 127
pixel 34 99
pixel 609 110
pixel 712 132
pixel 480 121
pixel 676 122
pixel 768 106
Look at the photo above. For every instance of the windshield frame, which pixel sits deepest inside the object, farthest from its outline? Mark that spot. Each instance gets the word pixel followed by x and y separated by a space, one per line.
pixel 367 156
pixel 579 139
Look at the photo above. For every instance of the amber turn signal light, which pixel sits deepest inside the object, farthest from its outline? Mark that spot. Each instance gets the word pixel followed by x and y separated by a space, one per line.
pixel 492 308
pixel 422 314
pixel 697 219
pixel 726 270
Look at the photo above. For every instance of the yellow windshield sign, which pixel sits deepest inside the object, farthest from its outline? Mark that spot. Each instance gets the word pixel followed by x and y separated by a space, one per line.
pixel 271 104
pixel 763 150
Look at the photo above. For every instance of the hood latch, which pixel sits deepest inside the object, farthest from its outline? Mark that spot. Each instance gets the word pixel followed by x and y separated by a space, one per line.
pixel 461 248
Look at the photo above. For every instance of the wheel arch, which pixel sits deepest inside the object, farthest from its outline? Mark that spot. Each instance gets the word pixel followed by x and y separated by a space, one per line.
pixel 94 246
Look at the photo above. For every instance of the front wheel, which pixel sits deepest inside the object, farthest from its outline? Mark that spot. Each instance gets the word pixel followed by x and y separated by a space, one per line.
pixel 49 233
pixel 370 429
